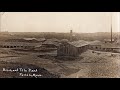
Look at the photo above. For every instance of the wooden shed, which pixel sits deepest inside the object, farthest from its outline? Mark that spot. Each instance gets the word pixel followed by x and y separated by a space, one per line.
pixel 95 45
pixel 72 48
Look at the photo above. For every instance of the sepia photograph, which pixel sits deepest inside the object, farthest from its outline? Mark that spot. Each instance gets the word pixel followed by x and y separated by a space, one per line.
pixel 59 45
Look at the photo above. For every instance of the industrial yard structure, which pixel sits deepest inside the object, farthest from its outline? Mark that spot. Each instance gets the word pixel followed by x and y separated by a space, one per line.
pixel 63 47
pixel 18 45
pixel 72 48
pixel 28 44
pixel 77 47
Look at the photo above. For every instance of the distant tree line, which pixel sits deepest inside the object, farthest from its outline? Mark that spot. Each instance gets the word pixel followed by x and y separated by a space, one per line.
pixel 49 35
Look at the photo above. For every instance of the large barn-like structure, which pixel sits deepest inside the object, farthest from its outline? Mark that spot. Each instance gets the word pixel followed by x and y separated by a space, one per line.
pixel 77 47
pixel 72 48
pixel 18 45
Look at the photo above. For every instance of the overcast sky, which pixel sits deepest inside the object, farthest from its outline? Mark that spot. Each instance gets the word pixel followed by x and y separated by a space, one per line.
pixel 59 21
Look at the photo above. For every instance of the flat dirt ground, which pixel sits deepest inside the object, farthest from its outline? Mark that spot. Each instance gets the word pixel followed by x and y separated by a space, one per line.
pixel 87 65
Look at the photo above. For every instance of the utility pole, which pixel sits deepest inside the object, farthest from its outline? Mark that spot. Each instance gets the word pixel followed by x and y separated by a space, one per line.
pixel 111 27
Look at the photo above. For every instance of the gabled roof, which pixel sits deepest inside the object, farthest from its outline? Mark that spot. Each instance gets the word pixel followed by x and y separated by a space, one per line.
pixel 105 45
pixel 48 42
pixel 29 38
pixel 19 44
pixel 109 40
pixel 110 45
pixel 41 39
pixel 53 40
pixel 64 40
pixel 96 42
pixel 79 43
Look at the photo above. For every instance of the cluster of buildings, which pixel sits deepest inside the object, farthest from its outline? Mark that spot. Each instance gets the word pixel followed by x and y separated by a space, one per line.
pixel 64 47
pixel 31 44
pixel 77 47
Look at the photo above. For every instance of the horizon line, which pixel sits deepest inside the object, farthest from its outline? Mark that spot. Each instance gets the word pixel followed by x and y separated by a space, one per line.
pixel 59 32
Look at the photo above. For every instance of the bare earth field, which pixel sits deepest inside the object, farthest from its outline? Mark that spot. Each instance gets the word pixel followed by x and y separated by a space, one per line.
pixel 87 65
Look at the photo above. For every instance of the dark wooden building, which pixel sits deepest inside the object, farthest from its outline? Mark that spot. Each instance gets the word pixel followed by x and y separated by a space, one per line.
pixel 95 45
pixel 48 45
pixel 72 48
pixel 103 46
pixel 111 48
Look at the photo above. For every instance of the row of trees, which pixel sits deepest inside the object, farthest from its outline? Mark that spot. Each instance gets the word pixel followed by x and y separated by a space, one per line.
pixel 77 36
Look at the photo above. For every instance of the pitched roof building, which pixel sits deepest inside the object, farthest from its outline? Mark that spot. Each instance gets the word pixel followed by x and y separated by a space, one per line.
pixel 72 48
